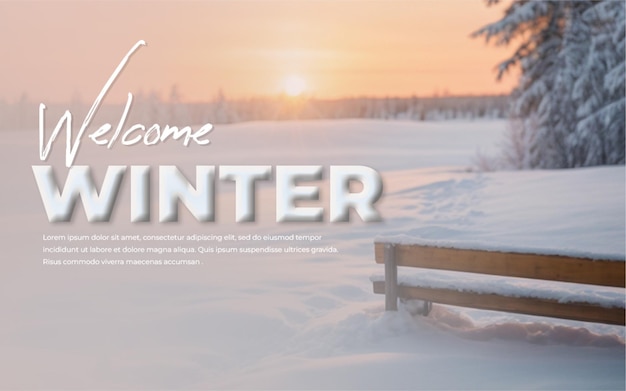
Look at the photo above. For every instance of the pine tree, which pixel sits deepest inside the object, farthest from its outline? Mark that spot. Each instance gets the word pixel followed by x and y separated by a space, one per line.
pixel 560 122
pixel 569 104
pixel 599 92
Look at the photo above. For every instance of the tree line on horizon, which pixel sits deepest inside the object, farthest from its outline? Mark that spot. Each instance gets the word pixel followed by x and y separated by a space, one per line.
pixel 151 108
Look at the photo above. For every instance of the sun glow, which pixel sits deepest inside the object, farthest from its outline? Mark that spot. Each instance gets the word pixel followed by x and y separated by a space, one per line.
pixel 294 85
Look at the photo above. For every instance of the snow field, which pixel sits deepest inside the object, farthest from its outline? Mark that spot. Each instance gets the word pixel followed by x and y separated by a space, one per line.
pixel 307 321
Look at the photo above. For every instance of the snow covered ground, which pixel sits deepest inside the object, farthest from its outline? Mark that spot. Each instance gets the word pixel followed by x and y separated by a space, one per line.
pixel 307 321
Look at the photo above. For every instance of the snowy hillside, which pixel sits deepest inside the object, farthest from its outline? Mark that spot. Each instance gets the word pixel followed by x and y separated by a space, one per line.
pixel 307 321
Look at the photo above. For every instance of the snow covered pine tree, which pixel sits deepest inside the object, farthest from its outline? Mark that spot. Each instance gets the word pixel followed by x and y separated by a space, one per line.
pixel 569 107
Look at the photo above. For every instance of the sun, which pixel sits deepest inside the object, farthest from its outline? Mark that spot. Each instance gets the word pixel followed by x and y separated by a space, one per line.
pixel 294 85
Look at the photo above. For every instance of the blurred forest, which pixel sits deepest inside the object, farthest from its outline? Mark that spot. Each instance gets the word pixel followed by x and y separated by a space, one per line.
pixel 153 109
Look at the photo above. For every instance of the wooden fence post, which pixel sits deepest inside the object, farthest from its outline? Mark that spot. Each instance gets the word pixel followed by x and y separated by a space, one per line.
pixel 391 278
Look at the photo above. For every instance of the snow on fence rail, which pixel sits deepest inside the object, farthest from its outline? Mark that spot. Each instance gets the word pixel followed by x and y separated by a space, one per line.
pixel 598 272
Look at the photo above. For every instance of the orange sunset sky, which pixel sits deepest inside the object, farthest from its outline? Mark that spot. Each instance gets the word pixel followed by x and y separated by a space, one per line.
pixel 58 51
